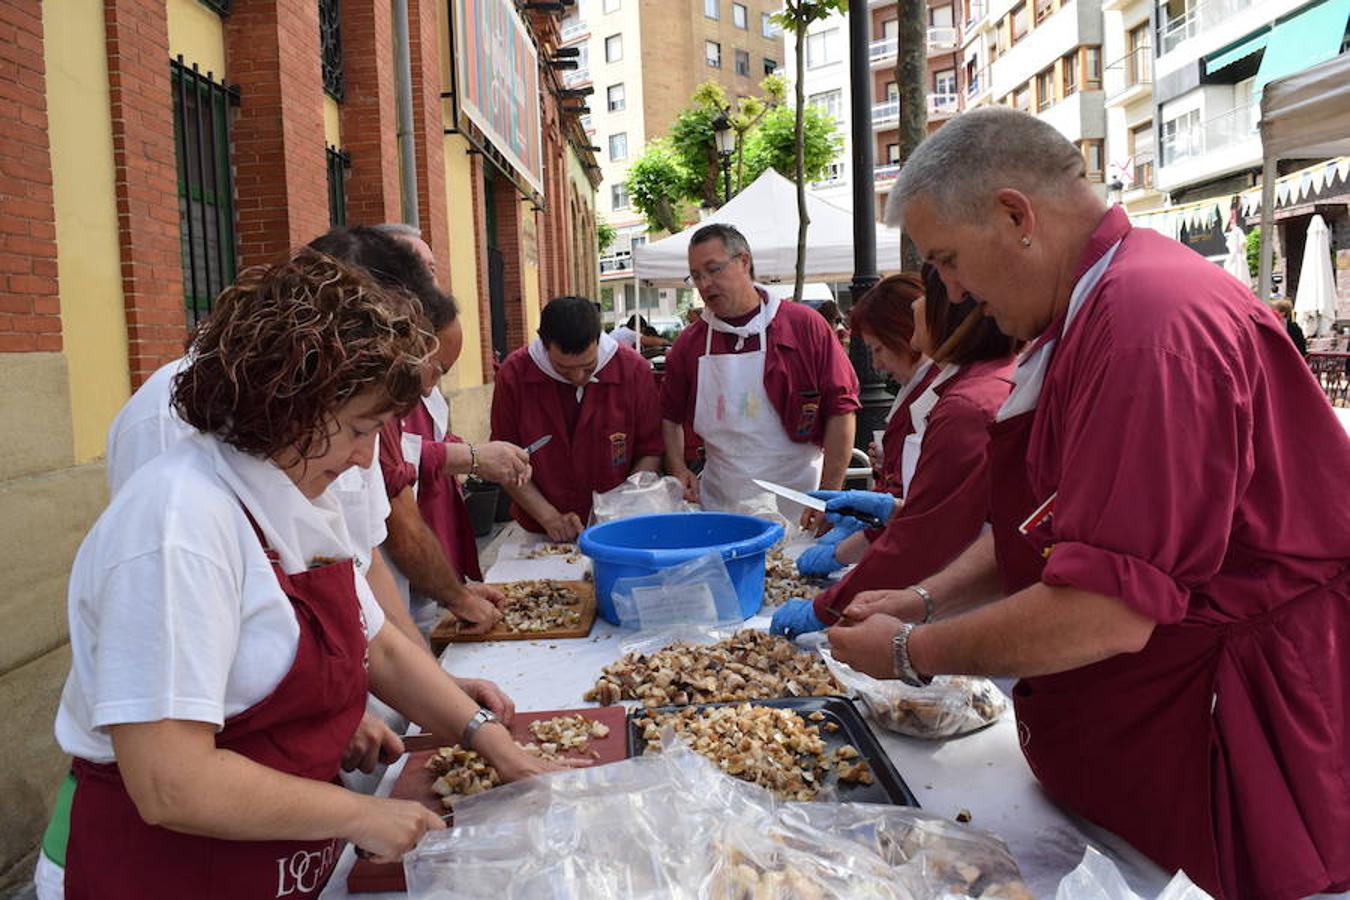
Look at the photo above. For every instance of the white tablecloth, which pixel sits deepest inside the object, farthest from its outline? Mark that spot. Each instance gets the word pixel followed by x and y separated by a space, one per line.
pixel 984 773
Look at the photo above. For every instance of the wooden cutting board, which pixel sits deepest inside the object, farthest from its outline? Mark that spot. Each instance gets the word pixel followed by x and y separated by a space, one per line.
pixel 414 782
pixel 446 631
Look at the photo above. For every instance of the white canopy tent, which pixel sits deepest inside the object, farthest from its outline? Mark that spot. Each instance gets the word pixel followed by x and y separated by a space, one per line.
pixel 766 213
pixel 1303 115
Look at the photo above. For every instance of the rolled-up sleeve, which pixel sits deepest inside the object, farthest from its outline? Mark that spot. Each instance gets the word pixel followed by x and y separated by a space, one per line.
pixel 397 473
pixel 1152 456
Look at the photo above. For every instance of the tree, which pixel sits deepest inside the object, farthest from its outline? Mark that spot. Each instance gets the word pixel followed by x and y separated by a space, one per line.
pixel 796 17
pixel 774 144
pixel 911 78
pixel 605 234
pixel 658 183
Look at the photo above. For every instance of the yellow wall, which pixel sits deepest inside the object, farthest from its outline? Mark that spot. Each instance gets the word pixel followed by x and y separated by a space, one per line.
pixel 529 267
pixel 468 372
pixel 93 314
pixel 197 33
pixel 332 122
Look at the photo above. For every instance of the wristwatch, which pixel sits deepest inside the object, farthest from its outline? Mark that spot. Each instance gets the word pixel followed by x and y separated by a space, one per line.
pixel 904 669
pixel 480 718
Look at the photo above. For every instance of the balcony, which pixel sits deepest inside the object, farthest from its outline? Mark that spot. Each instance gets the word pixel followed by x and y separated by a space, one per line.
pixel 577 77
pixel 616 262
pixel 1233 127
pixel 574 31
pixel 886 115
pixel 943 39
pixel 943 106
pixel 882 51
pixel 1141 167
pixel 1130 77
pixel 1197 18
pixel 1194 152
pixel 977 85
pixel 975 11
pixel 884 174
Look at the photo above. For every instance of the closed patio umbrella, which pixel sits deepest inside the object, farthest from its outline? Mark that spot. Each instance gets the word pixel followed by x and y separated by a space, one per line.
pixel 1315 303
pixel 1236 260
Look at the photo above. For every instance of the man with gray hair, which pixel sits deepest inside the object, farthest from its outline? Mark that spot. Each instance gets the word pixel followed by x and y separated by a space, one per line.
pixel 1169 564
pixel 764 383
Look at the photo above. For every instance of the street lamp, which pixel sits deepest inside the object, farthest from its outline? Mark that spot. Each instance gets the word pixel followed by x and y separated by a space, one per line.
pixel 725 137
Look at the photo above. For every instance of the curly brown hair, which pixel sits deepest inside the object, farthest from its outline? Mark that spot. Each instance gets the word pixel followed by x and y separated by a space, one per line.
pixel 288 344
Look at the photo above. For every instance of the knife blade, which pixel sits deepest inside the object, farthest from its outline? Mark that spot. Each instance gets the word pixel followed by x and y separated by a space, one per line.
pixel 537 444
pixel 815 503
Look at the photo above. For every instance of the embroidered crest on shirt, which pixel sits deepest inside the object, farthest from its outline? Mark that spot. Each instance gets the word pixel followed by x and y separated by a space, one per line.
pixel 618 448
pixel 1038 523
pixel 806 419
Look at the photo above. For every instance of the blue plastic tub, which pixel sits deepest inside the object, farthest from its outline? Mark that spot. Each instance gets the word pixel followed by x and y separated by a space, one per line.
pixel 642 545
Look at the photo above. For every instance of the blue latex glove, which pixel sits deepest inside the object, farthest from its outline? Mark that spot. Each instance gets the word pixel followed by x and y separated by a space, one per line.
pixel 795 617
pixel 876 503
pixel 818 559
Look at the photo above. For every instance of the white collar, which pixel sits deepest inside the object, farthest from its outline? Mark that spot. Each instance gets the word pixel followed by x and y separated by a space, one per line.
pixel 768 308
pixel 605 351
pixel 300 530
pixel 920 408
pixel 908 387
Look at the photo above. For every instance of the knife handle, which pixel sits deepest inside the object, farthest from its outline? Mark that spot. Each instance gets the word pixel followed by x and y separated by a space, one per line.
pixel 867 519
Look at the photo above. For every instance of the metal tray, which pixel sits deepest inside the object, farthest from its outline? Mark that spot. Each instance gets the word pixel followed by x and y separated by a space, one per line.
pixel 888 787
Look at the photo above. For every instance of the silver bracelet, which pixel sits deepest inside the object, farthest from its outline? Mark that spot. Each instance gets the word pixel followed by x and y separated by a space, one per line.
pixel 904 669
pixel 927 599
pixel 480 718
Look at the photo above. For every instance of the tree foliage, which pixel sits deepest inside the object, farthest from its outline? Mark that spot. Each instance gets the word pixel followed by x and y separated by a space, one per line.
pixel 774 144
pixel 605 234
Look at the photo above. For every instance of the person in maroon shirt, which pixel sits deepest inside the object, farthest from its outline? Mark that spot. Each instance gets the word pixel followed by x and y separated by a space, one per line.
pixel 763 382
pixel 1168 569
pixel 595 399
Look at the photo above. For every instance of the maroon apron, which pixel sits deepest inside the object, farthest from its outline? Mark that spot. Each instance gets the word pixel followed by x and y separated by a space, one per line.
pixel 1082 730
pixel 301 728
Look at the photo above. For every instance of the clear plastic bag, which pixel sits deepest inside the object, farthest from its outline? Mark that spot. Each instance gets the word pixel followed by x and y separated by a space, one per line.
pixel 698 592
pixel 639 494
pixel 1097 878
pixel 952 705
pixel 674 826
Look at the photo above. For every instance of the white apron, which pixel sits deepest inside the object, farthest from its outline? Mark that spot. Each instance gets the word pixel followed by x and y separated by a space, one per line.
pixel 918 418
pixel 742 434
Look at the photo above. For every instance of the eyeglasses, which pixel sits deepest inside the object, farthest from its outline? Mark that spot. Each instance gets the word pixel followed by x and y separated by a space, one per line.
pixel 708 274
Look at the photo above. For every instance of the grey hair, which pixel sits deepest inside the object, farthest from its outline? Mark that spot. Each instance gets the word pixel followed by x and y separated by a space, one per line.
pixel 731 239
pixel 960 166
pixel 399 229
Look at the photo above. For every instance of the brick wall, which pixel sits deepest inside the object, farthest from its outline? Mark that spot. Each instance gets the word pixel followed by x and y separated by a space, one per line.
pixel 281 187
pixel 428 131
pixel 30 312
pixel 147 182
pixel 508 208
pixel 369 112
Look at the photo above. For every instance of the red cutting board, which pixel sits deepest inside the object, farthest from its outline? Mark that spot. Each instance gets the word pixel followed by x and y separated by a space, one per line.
pixel 414 782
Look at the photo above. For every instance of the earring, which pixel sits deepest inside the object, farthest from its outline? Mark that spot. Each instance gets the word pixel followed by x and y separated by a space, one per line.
pixel 1026 240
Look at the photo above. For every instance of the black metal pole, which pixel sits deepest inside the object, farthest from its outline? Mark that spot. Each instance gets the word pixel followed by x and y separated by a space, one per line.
pixel 875 400
pixel 726 177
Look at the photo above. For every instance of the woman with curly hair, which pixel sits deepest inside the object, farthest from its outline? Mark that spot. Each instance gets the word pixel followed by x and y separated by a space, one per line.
pixel 222 644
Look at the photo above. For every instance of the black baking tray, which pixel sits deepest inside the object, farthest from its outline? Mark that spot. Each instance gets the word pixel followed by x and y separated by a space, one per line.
pixel 888 786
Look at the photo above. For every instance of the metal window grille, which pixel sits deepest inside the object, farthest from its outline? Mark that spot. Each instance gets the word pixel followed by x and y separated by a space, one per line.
pixel 330 45
pixel 339 161
pixel 201 117
pixel 220 6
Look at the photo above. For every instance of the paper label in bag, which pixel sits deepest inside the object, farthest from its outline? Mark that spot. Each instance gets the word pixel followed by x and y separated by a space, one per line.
pixel 669 605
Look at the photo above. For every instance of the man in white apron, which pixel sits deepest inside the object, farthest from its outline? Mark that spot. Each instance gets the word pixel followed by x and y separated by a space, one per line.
pixel 765 384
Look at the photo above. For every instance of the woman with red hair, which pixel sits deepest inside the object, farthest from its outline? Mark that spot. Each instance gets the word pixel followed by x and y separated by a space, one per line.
pixel 938 457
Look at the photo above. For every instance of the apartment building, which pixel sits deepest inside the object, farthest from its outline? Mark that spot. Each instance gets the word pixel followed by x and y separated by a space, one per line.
pixel 154 148
pixel 638 64
pixel 1131 142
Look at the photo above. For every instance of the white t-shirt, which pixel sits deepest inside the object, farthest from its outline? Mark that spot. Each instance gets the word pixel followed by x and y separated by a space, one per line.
pixel 174 609
pixel 148 425
pixel 625 335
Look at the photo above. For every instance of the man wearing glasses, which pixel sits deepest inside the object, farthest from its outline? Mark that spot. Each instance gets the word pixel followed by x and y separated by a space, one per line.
pixel 764 383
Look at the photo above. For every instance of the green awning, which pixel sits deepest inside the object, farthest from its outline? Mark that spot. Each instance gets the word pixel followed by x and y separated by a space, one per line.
pixel 1308 39
pixel 1241 50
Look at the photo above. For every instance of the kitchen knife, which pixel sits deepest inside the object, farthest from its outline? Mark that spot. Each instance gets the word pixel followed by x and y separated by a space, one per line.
pixel 539 443
pixel 810 502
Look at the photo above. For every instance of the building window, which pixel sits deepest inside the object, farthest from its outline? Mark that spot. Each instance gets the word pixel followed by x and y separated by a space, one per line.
pixel 739 16
pixel 201 115
pixel 609 6
pixel 712 54
pixel 614 97
pixel 613 48
pixel 330 47
pixel 892 91
pixel 1138 68
pixel 1181 137
pixel 822 48
pixel 1092 68
pixel 890 29
pixel 1043 10
pixel 339 161
pixel 1021 98
pixel 892 153
pixel 944 82
pixel 1141 156
pixel 1021 22
pixel 1045 89
pixel 770 66
pixel 768 27
pixel 742 62
pixel 618 196
pixel 618 145
pixel 1070 64
pixel 711 9
pixel 834 174
pixel 831 103
pixel 1094 159
pixel 941 17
